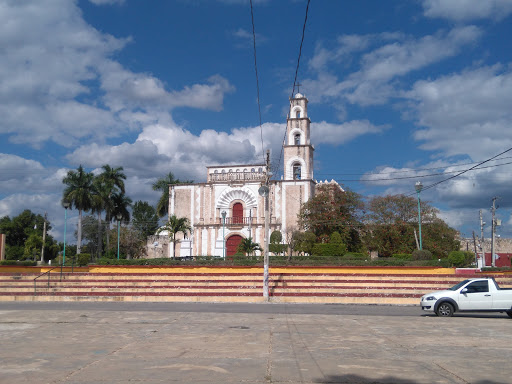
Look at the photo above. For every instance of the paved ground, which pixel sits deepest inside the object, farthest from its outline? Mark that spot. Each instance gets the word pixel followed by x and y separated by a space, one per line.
pixel 115 343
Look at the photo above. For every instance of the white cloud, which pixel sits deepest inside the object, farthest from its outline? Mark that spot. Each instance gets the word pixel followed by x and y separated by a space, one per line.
pixel 473 107
pixel 466 10
pixel 336 134
pixel 400 55
pixel 105 2
pixel 49 87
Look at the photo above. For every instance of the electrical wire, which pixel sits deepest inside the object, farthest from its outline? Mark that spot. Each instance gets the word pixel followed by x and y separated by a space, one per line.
pixel 460 173
pixel 295 78
pixel 257 80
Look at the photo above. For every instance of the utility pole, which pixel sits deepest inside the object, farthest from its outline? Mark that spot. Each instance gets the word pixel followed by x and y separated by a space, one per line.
pixel 267 225
pixel 44 236
pixel 493 229
pixel 482 248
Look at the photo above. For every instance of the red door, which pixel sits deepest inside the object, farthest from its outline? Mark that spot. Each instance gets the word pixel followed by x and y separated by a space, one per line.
pixel 232 245
pixel 238 213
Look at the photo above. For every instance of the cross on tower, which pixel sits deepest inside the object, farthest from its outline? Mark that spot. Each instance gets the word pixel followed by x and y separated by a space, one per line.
pixel 298 87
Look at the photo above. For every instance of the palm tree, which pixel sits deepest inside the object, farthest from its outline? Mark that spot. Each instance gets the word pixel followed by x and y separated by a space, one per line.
pixel 78 192
pixel 99 202
pixel 111 180
pixel 248 247
pixel 174 226
pixel 162 184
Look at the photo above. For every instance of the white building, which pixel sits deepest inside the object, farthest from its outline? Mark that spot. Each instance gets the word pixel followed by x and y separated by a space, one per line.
pixel 234 189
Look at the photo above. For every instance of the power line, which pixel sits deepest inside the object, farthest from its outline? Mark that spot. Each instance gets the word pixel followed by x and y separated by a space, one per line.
pixel 416 176
pixel 412 169
pixel 460 173
pixel 257 81
pixel 296 74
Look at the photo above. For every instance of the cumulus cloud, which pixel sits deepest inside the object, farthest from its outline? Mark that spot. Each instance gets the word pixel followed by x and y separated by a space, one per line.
pixel 466 10
pixel 395 56
pixel 472 106
pixel 49 87
pixel 336 134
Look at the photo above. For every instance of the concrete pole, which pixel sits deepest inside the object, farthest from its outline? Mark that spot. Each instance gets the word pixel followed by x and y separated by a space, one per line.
pixel 493 230
pixel 44 236
pixel 267 225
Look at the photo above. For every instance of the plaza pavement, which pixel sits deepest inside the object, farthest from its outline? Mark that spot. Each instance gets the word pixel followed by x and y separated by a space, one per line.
pixel 134 344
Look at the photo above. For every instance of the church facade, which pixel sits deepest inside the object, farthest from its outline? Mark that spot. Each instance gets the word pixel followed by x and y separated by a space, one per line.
pixel 228 208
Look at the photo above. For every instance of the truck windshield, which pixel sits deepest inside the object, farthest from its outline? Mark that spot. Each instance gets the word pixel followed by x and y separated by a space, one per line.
pixel 457 286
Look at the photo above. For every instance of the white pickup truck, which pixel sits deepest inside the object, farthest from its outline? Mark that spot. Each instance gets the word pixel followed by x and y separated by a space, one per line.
pixel 481 294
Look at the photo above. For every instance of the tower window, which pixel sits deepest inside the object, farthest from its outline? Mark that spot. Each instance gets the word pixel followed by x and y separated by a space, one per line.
pixel 296 139
pixel 297 115
pixel 296 171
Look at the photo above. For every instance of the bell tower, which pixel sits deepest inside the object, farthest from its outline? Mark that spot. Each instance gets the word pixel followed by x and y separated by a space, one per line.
pixel 297 148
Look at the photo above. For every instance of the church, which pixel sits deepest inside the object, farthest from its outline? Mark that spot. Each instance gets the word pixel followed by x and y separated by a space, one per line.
pixel 228 208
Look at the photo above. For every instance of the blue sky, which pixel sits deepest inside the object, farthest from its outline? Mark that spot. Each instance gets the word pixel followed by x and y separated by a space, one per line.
pixel 397 89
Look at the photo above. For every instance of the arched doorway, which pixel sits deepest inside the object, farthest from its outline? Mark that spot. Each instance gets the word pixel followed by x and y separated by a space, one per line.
pixel 238 213
pixel 232 245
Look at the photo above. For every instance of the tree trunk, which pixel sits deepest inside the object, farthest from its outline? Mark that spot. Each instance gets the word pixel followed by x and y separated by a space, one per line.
pixel 100 239
pixel 79 235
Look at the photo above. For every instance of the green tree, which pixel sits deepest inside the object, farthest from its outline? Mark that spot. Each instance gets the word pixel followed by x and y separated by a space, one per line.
pixel 275 246
pixel 78 192
pixel 391 221
pixel 90 234
pixel 332 209
pixel 248 247
pixel 304 242
pixel 110 182
pixel 22 227
pixel 162 185
pixel 174 226
pixel 145 219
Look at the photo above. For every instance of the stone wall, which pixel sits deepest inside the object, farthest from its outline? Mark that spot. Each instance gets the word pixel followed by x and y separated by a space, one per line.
pixel 501 245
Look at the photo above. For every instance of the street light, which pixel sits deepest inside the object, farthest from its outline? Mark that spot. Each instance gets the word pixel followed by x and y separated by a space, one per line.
pixel 119 217
pixel 419 187
pixel 223 213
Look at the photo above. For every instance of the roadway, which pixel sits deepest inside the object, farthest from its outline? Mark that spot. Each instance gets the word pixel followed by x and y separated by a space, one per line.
pixel 149 343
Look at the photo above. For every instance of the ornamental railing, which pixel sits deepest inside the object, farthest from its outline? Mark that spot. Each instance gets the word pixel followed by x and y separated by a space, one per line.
pixel 236 176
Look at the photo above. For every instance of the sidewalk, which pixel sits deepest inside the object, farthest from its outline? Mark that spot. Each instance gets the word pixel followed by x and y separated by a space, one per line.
pixel 95 346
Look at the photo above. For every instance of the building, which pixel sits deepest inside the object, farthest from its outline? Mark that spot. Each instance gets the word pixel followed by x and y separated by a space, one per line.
pixel 233 190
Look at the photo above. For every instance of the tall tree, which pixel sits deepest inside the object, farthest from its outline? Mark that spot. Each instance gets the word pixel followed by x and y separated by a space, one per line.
pixel 162 185
pixel 111 180
pixel 145 219
pixel 333 209
pixel 78 192
pixel 391 221
pixel 174 226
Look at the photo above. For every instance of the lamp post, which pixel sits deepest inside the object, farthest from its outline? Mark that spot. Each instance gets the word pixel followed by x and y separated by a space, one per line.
pixel 419 187
pixel 119 217
pixel 223 213
pixel 66 206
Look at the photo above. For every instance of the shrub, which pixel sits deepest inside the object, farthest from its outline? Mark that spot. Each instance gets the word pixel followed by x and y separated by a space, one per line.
pixel 402 256
pixel 83 259
pixel 329 249
pixel 355 256
pixel 23 263
pixel 422 255
pixel 460 258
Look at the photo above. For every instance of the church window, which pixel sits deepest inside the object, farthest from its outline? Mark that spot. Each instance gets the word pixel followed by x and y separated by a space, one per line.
pixel 260 169
pixel 223 171
pixel 296 139
pixel 253 170
pixel 216 171
pixel 297 114
pixel 296 171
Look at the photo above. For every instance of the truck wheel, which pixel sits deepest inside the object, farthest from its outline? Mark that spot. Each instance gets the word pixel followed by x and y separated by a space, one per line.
pixel 509 313
pixel 445 310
